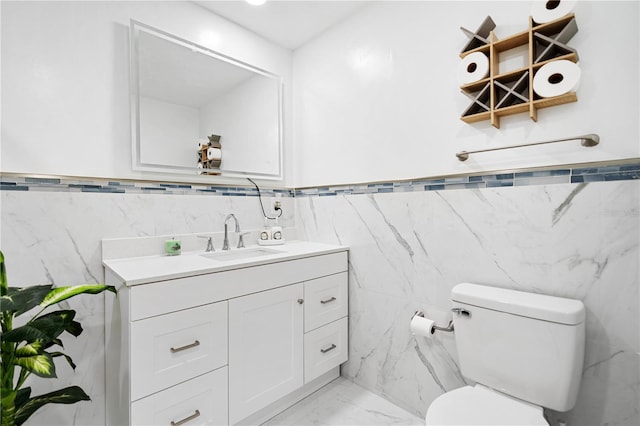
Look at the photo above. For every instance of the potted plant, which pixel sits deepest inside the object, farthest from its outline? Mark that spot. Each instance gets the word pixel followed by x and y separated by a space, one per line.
pixel 31 348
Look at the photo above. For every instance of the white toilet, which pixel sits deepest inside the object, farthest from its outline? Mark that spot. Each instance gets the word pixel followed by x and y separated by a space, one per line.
pixel 524 351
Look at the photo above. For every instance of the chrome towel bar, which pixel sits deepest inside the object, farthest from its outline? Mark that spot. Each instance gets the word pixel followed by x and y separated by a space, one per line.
pixel 585 140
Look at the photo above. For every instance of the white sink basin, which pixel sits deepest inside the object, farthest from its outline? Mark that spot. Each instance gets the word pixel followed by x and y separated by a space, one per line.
pixel 240 254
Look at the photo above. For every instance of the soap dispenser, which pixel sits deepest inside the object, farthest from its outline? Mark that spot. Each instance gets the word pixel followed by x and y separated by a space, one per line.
pixel 271 234
pixel 276 232
pixel 265 234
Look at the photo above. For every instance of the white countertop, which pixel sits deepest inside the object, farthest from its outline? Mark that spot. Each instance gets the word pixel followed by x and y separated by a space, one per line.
pixel 147 269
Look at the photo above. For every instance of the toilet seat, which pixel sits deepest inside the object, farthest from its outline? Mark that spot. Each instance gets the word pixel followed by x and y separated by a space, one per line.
pixel 479 405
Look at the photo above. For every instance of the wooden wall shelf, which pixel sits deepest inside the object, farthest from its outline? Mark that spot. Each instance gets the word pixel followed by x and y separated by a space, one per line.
pixel 508 93
pixel 210 167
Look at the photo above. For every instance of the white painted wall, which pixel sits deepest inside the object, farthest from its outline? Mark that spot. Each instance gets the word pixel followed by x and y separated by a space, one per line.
pixel 65 79
pixel 376 97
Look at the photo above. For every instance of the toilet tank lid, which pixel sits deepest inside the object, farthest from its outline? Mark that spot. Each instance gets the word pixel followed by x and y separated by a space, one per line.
pixel 538 306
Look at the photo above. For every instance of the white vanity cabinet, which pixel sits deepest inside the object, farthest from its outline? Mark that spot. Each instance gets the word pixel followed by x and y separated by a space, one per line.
pixel 231 346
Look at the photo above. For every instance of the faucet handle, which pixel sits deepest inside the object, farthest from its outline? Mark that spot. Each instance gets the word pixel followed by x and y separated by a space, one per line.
pixel 241 239
pixel 209 242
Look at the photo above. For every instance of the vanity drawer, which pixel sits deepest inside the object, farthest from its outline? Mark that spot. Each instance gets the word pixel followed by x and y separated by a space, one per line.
pixel 326 300
pixel 169 349
pixel 200 401
pixel 325 348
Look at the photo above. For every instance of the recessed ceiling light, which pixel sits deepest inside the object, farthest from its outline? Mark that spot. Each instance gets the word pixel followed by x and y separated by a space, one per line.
pixel 256 2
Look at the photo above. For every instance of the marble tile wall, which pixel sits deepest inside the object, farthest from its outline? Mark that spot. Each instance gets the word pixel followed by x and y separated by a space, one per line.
pixel 408 249
pixel 49 236
pixel 410 244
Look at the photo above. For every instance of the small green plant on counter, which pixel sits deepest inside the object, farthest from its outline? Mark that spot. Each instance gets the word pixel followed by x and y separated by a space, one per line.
pixel 30 348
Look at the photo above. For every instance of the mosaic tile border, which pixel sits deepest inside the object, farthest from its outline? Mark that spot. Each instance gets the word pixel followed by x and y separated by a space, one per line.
pixel 20 183
pixel 595 173
pixel 582 174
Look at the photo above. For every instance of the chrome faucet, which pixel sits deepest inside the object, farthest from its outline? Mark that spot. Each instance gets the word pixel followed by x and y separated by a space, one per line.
pixel 209 243
pixel 225 244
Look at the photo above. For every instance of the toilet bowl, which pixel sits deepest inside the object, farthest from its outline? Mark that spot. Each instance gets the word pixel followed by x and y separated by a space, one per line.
pixel 479 405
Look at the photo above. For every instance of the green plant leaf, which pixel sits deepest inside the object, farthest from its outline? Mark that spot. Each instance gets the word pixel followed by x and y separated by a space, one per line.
pixel 52 343
pixel 27 333
pixel 45 328
pixel 38 348
pixel 30 349
pixel 18 300
pixel 59 294
pixel 4 286
pixel 74 328
pixel 41 365
pixel 22 396
pixel 69 395
pixel 67 357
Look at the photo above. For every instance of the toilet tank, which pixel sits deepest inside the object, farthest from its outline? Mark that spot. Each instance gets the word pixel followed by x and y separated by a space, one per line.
pixel 526 345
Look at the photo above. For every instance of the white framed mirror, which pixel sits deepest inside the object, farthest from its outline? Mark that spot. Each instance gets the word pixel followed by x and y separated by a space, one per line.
pixel 199 112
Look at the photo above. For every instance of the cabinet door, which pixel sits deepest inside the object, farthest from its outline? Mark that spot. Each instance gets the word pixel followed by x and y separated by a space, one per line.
pixel 265 349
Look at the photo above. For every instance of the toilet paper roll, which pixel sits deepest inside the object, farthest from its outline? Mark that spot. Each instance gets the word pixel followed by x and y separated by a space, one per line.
pixel 214 154
pixel 472 68
pixel 202 143
pixel 421 326
pixel 556 78
pixel 547 11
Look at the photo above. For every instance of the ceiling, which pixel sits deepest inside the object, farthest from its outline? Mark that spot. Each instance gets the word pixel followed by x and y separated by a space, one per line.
pixel 288 23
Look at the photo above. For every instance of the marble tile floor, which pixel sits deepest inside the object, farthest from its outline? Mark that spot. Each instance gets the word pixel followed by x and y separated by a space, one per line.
pixel 342 402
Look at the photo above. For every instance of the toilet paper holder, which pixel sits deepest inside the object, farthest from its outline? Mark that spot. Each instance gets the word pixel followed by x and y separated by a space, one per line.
pixel 448 328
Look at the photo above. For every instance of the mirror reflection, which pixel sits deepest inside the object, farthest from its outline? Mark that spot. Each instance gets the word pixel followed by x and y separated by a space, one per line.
pixel 197 111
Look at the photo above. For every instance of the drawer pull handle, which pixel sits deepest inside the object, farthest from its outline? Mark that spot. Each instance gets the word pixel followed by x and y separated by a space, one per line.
pixel 330 348
pixel 184 348
pixel 332 299
pixel 186 419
